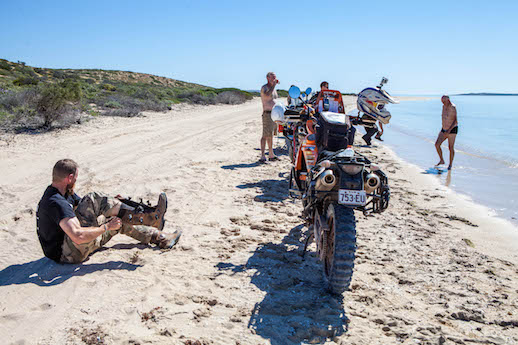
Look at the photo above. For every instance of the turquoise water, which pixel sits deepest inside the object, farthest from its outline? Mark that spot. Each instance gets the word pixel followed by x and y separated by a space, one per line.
pixel 486 162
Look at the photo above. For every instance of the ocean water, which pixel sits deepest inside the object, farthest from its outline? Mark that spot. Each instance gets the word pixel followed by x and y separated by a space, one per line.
pixel 485 167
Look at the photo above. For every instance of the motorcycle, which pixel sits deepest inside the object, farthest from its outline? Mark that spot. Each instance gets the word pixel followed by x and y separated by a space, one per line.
pixel 292 121
pixel 333 181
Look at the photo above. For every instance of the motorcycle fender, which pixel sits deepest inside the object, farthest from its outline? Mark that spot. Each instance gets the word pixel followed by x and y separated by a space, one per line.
pixel 298 161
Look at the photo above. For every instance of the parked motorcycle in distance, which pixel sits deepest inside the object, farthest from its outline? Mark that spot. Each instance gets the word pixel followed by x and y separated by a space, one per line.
pixel 335 182
pixel 294 120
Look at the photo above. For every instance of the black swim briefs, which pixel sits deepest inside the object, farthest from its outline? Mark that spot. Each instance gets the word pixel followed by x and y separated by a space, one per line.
pixel 454 130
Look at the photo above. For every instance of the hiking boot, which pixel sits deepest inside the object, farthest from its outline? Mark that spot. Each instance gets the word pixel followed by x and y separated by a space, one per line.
pixel 164 240
pixel 145 215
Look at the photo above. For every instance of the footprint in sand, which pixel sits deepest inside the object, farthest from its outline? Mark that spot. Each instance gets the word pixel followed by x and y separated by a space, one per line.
pixel 46 306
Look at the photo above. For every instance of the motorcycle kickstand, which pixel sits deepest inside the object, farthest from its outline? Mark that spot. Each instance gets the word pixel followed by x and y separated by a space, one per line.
pixel 310 237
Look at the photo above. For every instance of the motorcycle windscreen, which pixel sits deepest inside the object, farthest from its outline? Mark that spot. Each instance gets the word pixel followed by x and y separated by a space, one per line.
pixel 336 104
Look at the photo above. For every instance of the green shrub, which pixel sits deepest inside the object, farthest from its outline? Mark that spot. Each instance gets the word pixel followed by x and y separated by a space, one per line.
pixel 109 87
pixel 113 105
pixel 231 97
pixel 11 99
pixel 25 71
pixel 5 65
pixel 24 112
pixel 22 81
pixel 282 93
pixel 52 102
pixel 36 96
pixel 58 74
pixel 5 116
pixel 55 98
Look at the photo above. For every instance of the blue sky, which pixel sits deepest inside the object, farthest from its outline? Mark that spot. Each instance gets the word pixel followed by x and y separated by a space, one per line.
pixel 423 47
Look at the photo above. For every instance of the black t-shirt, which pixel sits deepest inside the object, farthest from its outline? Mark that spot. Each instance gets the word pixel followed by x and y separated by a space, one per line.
pixel 52 208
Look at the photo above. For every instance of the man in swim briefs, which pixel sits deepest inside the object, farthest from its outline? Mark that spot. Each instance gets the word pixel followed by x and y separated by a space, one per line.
pixel 449 129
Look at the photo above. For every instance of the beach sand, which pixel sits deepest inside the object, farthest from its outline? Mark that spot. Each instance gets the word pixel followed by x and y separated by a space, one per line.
pixel 433 269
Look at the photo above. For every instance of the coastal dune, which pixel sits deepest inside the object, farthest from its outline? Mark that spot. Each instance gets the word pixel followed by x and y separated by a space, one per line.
pixel 433 269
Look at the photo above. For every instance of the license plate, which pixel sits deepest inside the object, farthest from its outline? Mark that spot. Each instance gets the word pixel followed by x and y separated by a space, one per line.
pixel 352 197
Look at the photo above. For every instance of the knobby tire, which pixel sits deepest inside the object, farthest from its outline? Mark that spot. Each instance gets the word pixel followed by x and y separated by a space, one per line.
pixel 338 264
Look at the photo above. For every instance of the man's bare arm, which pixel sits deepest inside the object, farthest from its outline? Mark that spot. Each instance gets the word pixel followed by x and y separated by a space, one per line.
pixel 267 89
pixel 80 235
pixel 454 122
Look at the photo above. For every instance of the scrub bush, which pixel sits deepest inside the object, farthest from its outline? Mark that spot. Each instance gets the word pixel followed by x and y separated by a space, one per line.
pixel 113 104
pixel 22 81
pixel 231 97
pixel 108 87
pixel 5 65
pixel 56 99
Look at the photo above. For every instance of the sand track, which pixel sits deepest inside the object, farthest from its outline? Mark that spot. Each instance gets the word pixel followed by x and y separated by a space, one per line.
pixel 236 277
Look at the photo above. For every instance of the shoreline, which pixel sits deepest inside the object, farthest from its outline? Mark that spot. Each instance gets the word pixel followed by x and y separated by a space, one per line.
pixel 484 172
pixel 501 241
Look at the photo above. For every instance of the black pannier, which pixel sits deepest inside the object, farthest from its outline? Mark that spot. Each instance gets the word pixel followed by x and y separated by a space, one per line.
pixel 331 132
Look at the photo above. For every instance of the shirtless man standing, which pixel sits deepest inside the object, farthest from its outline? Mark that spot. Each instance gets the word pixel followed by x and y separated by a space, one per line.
pixel 268 96
pixel 449 129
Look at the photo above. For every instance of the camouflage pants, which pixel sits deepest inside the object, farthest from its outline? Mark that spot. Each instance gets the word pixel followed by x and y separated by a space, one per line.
pixel 92 211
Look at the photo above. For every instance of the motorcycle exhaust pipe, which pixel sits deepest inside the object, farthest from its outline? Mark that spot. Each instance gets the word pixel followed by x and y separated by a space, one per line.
pixel 372 182
pixel 326 181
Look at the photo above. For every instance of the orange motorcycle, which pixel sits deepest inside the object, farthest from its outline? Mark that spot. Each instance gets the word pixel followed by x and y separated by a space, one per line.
pixel 332 180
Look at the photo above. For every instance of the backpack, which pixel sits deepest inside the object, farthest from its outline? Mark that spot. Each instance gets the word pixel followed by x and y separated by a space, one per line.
pixel 331 131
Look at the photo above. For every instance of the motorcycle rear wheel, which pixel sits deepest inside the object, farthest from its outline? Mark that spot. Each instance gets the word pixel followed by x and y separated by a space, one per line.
pixel 338 263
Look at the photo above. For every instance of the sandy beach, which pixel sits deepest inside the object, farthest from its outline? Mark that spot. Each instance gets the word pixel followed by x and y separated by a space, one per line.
pixel 433 269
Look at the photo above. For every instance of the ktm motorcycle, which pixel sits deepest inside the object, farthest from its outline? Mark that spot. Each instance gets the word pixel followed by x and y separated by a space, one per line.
pixel 333 181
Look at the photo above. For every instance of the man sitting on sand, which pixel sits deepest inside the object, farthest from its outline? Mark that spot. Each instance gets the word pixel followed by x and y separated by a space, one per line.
pixel 268 96
pixel 448 131
pixel 69 236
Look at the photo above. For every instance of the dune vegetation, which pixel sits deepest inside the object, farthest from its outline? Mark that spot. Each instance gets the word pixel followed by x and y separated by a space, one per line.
pixel 42 98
